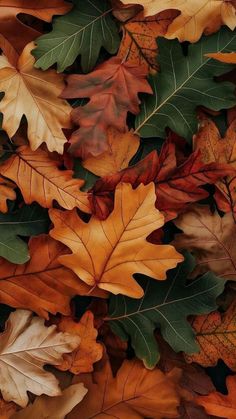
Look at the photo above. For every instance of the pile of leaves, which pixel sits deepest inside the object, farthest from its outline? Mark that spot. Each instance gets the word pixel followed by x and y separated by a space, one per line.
pixel 117 209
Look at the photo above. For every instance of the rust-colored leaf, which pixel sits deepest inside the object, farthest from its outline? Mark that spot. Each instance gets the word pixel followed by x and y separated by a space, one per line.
pixel 7 409
pixel 6 192
pixel 107 253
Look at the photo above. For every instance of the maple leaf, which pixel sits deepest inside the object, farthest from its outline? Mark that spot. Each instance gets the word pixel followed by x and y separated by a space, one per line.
pixel 121 240
pixel 218 404
pixel 195 18
pixel 11 26
pixel 42 284
pixel 83 31
pixel 216 336
pixel 183 83
pixel 134 393
pixel 43 181
pixel 26 345
pixel 175 186
pixel 209 237
pixel 217 149
pixel 34 93
pixel 139 45
pixel 229 58
pixel 58 407
pixel 165 305
pixel 113 91
pixel 121 148
pixel 6 192
pixel 81 360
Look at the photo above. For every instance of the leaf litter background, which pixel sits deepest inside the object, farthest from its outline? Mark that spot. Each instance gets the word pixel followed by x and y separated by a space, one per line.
pixel 117 209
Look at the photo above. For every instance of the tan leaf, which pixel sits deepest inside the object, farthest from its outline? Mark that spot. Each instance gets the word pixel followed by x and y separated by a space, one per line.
pixel 39 179
pixel 6 192
pixel 210 238
pixel 89 351
pixel 25 347
pixel 58 407
pixel 121 148
pixel 121 240
pixel 134 393
pixel 34 93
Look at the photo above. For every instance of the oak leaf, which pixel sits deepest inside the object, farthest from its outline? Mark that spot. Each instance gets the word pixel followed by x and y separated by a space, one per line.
pixel 134 393
pixel 220 405
pixel 107 253
pixel 195 19
pixel 81 360
pixel 139 45
pixel 229 58
pixel 11 26
pixel 216 336
pixel 210 238
pixel 223 150
pixel 42 180
pixel 175 185
pixel 34 93
pixel 113 91
pixel 42 285
pixel 58 407
pixel 6 192
pixel 7 409
pixel 26 345
pixel 121 148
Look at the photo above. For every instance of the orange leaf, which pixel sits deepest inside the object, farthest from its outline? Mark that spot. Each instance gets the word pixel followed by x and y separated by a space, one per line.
pixel 7 409
pixel 81 360
pixel 121 148
pixel 216 336
pixel 6 192
pixel 217 404
pixel 134 393
pixel 107 253
pixel 229 58
pixel 42 284
pixel 113 89
pixel 34 93
pixel 39 179
pixel 139 42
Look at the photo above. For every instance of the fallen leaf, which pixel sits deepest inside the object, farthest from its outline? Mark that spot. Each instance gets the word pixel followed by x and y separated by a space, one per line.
pixel 121 148
pixel 218 404
pixel 229 57
pixel 83 31
pixel 113 91
pixel 134 393
pixel 210 238
pixel 58 407
pixel 216 336
pixel 43 181
pixel 42 284
pixel 6 192
pixel 195 19
pixel 81 360
pixel 7 409
pixel 34 93
pixel 11 26
pixel 175 186
pixel 217 149
pixel 139 44
pixel 121 240
pixel 26 345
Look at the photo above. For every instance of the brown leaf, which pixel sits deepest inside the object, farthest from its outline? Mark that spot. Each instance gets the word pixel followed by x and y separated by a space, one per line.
pixel 34 93
pixel 121 240
pixel 220 405
pixel 81 360
pixel 39 178
pixel 210 238
pixel 121 148
pixel 113 89
pixel 7 409
pixel 6 192
pixel 134 393
pixel 216 336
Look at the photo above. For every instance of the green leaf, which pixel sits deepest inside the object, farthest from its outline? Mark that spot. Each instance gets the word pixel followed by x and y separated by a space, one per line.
pixel 165 305
pixel 183 83
pixel 83 31
pixel 30 220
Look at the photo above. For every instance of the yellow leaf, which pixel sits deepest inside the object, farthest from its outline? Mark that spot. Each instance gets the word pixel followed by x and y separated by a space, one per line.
pixel 107 253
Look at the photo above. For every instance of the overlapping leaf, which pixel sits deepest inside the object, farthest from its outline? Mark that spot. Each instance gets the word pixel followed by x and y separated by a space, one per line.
pixel 6 192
